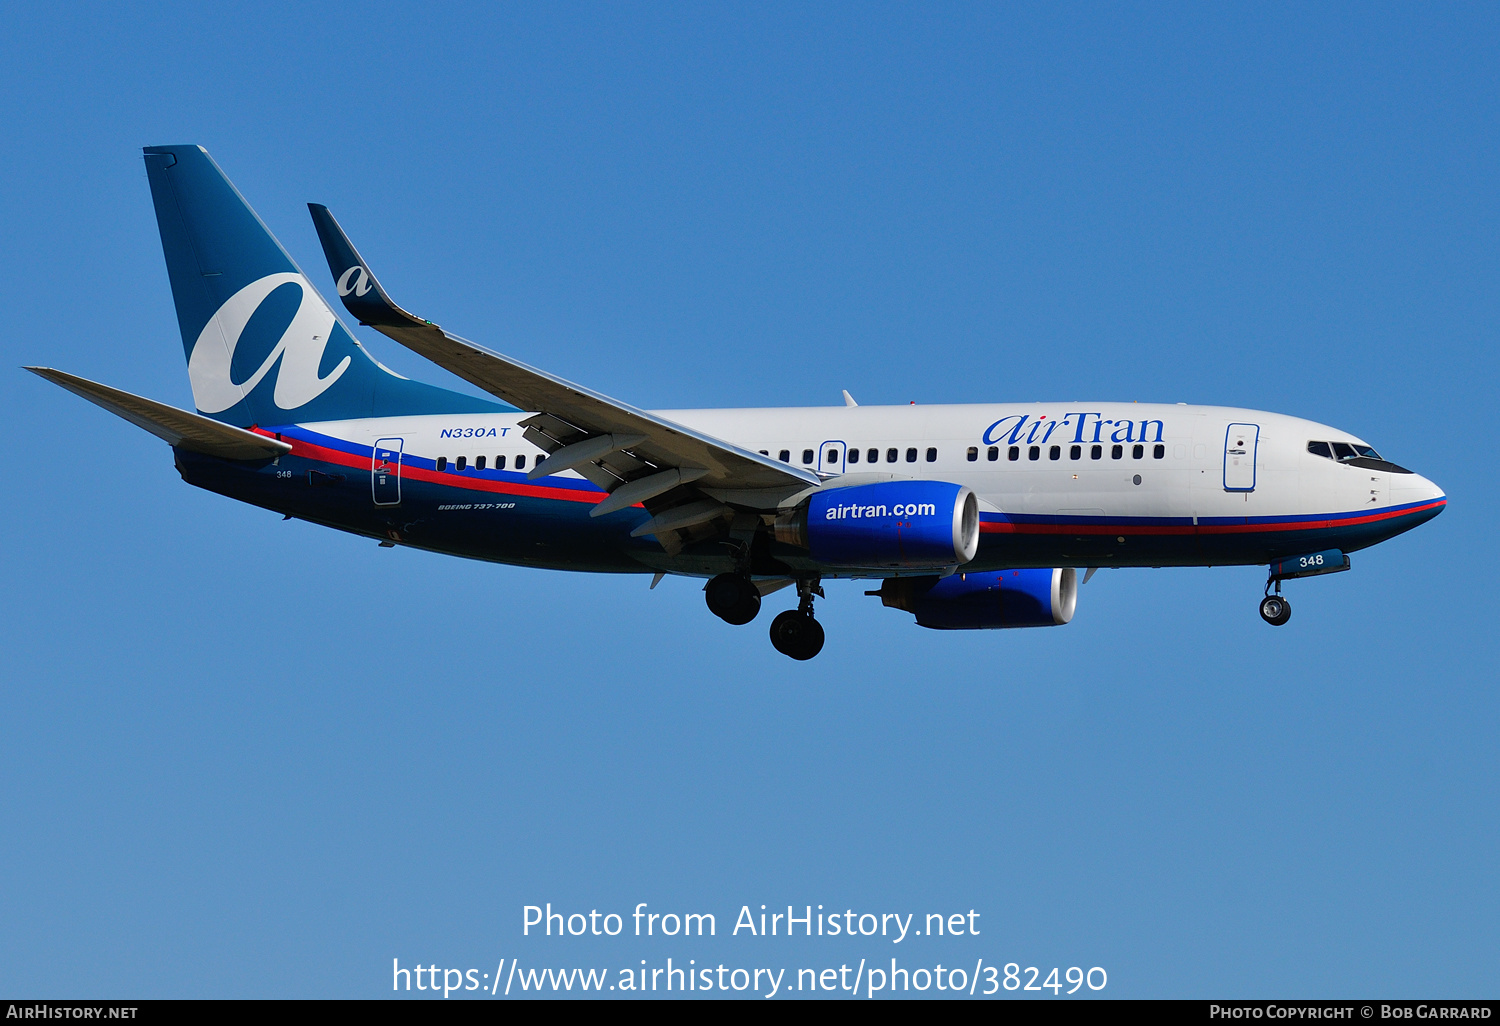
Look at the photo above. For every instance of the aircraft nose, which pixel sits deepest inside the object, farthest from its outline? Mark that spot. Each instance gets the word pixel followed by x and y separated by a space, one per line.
pixel 1414 488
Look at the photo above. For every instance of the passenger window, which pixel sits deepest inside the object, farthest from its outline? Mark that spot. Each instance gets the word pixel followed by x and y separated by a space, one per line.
pixel 479 463
pixel 931 455
pixel 765 452
pixel 833 457
pixel 1159 453
pixel 1015 453
pixel 853 455
pixel 911 455
pixel 1116 451
pixel 499 462
pixel 1096 453
pixel 1137 452
pixel 890 455
pixel 973 454
pixel 993 453
pixel 1075 453
pixel 1034 453
pixel 461 461
pixel 872 456
pixel 1343 450
pixel 442 463
pixel 785 456
pixel 520 462
pixel 1322 449
pixel 807 455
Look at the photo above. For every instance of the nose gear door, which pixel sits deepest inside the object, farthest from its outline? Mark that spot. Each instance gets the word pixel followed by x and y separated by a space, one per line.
pixel 1240 443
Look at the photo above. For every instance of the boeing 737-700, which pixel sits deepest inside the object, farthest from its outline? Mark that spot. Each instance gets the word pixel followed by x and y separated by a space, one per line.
pixel 970 517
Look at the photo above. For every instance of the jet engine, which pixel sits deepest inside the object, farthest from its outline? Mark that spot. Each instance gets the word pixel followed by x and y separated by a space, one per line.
pixel 986 601
pixel 905 524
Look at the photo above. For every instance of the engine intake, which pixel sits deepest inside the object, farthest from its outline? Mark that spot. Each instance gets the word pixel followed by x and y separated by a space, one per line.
pixel 900 524
pixel 986 601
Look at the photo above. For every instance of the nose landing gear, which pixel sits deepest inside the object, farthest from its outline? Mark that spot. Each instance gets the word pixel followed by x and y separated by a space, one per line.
pixel 1274 609
pixel 795 632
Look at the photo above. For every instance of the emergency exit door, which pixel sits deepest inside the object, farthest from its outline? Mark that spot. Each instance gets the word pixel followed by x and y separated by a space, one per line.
pixel 831 457
pixel 385 472
pixel 1240 444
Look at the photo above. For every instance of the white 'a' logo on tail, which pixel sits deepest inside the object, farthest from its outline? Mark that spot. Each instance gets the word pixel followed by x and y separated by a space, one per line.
pixel 356 280
pixel 300 349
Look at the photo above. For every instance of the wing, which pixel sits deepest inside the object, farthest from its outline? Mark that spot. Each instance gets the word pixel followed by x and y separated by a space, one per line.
pixel 173 426
pixel 635 456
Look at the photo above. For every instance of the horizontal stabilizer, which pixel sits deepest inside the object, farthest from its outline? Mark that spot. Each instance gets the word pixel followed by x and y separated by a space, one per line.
pixel 173 426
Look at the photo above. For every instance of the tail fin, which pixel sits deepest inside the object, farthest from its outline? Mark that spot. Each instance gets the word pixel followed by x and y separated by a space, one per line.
pixel 262 346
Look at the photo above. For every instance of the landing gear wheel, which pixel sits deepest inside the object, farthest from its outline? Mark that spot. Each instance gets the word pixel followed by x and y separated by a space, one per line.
pixel 1275 610
pixel 797 634
pixel 732 598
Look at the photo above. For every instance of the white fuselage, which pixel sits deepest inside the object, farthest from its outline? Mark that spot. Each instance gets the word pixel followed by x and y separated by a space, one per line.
pixel 1065 484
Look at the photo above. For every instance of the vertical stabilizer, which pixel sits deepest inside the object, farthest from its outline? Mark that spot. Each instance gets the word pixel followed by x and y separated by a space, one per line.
pixel 262 345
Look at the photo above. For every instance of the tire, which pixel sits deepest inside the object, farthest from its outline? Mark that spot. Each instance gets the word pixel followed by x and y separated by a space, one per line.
pixel 732 598
pixel 797 635
pixel 1275 610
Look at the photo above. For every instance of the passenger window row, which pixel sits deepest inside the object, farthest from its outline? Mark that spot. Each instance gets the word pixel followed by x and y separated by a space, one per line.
pixel 462 463
pixel 895 455
pixel 992 453
pixel 1075 452
pixel 853 455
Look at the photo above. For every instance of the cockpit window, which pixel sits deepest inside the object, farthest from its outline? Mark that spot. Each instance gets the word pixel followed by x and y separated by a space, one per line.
pixel 1342 451
pixel 1349 454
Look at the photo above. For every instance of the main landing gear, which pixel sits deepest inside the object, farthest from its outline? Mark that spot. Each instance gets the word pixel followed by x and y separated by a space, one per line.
pixel 732 598
pixel 735 599
pixel 795 632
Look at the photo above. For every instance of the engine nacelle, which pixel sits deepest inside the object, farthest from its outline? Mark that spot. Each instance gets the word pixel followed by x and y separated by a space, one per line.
pixel 906 524
pixel 986 601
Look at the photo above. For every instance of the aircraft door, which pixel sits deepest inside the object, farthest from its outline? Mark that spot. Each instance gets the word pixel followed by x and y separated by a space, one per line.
pixel 831 458
pixel 1240 444
pixel 385 472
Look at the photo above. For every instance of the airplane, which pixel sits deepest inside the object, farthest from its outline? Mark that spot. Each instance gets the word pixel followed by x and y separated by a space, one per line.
pixel 971 517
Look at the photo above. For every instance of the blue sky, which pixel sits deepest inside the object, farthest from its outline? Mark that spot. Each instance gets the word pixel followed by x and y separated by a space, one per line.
pixel 253 758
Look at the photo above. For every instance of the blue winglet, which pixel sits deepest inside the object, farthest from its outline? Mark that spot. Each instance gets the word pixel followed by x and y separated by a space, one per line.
pixel 362 295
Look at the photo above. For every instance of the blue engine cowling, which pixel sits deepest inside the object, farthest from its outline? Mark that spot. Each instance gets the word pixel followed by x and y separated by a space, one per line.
pixel 986 601
pixel 906 524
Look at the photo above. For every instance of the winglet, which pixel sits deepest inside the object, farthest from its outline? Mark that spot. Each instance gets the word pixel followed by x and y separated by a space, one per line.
pixel 849 399
pixel 362 295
